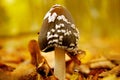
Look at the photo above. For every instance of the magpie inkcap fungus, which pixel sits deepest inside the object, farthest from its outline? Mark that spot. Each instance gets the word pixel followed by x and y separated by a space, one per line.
pixel 58 32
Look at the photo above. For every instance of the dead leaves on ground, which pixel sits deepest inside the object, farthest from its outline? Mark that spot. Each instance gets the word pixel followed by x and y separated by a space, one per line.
pixel 100 68
pixel 96 69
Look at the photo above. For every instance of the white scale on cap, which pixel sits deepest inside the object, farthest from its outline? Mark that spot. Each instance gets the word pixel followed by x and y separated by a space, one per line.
pixel 62 17
pixel 50 17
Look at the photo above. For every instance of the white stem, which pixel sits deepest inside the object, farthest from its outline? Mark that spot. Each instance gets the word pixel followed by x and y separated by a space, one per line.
pixel 60 63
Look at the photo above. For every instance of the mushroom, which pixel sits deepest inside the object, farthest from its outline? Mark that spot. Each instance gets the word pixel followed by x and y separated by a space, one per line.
pixel 58 33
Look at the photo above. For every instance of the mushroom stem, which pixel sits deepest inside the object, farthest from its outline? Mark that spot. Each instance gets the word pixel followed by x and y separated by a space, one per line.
pixel 60 63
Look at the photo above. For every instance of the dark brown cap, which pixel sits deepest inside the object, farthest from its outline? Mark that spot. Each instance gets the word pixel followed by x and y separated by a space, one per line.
pixel 58 30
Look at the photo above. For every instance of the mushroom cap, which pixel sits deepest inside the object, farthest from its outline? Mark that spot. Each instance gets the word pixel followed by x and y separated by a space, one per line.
pixel 58 30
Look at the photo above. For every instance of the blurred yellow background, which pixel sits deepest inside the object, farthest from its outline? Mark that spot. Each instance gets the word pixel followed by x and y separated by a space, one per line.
pixel 93 18
pixel 97 20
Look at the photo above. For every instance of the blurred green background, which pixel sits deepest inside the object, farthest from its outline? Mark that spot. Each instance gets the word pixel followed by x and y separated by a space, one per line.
pixel 94 18
pixel 97 20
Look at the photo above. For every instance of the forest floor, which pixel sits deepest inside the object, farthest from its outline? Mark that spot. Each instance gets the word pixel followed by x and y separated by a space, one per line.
pixel 101 60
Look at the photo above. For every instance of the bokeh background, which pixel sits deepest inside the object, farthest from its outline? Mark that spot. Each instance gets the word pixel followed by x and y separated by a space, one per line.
pixel 97 20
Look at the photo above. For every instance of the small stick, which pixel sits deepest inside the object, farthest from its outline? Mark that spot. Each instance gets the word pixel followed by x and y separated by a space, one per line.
pixel 76 56
pixel 34 51
pixel 40 62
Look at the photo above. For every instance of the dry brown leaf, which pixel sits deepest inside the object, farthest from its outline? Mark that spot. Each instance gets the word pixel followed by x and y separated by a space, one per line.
pixel 115 71
pixel 101 63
